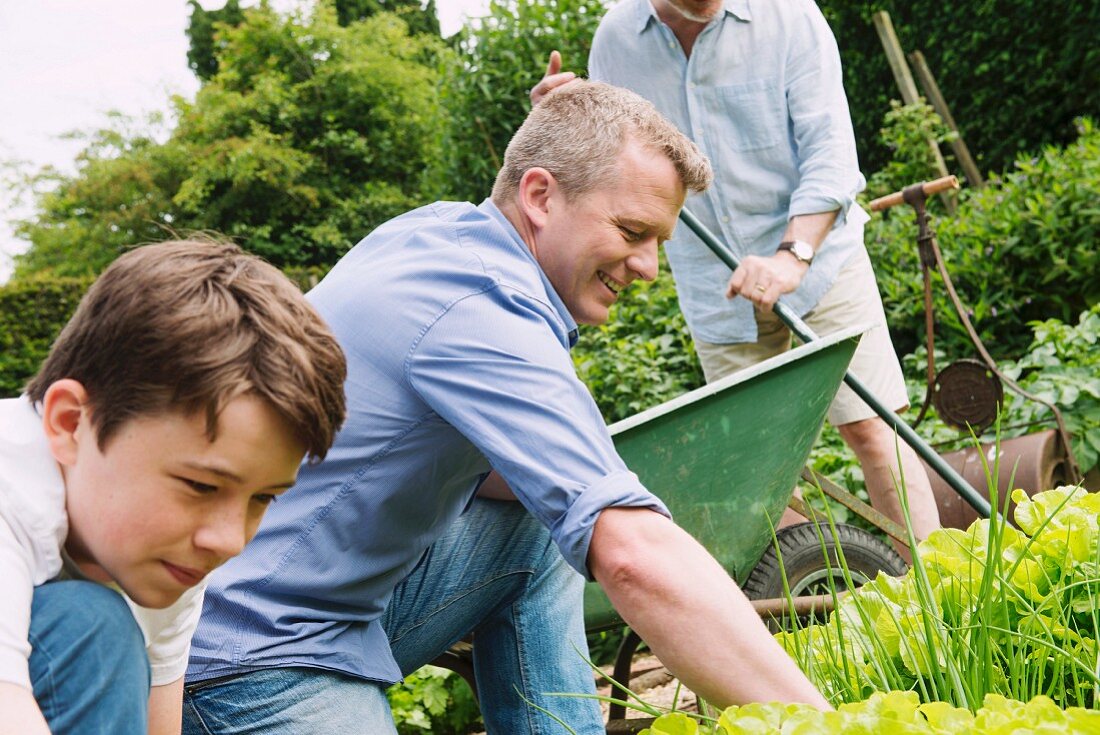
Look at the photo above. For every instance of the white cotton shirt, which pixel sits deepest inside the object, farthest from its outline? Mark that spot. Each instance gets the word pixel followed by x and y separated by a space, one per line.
pixel 33 528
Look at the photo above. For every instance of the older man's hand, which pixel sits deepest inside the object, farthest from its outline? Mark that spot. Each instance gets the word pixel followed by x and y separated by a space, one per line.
pixel 763 280
pixel 553 78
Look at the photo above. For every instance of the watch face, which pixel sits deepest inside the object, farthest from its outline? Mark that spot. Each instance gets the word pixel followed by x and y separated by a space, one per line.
pixel 800 249
pixel 803 250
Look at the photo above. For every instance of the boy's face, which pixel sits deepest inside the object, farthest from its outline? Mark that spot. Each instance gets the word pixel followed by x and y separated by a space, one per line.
pixel 163 506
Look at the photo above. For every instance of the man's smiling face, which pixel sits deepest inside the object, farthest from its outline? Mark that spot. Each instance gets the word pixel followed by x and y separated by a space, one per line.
pixel 596 245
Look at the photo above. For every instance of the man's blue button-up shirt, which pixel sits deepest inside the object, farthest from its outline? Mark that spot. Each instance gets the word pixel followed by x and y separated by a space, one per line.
pixel 762 97
pixel 458 361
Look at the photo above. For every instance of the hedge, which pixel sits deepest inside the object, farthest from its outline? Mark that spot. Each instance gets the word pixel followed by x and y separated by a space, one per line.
pixel 33 311
pixel 1015 74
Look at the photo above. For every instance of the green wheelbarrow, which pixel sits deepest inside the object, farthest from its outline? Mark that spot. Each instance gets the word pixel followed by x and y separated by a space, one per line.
pixel 725 459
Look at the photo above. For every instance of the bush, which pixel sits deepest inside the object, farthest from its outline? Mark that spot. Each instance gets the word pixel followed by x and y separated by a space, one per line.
pixel 32 314
pixel 1021 249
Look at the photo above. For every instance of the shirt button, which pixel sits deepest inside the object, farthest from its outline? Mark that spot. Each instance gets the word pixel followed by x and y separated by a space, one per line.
pixel 691 85
pixel 726 219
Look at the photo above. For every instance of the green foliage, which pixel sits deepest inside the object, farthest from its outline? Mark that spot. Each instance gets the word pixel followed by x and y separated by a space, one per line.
pixel 309 136
pixel 497 59
pixel 33 312
pixel 433 700
pixel 991 610
pixel 1014 74
pixel 906 130
pixel 1021 249
pixel 420 18
pixel 642 356
pixel 31 316
pixel 887 712
pixel 204 46
pixel 1062 366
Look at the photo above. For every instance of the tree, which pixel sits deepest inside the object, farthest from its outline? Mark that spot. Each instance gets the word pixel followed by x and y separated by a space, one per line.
pixel 202 29
pixel 484 89
pixel 309 135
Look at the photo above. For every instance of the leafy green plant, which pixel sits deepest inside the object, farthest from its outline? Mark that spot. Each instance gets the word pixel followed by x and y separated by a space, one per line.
pixel 887 712
pixel 433 700
pixel 906 132
pixel 1062 366
pixel 990 610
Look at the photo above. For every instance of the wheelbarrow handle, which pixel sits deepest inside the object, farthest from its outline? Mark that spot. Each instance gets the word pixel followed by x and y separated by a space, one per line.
pixel 804 333
pixel 927 188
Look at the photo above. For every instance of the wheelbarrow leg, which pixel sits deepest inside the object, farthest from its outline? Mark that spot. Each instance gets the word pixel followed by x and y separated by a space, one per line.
pixel 621 673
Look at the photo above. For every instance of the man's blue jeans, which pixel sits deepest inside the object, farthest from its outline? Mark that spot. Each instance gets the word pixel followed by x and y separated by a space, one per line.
pixel 88 665
pixel 496 573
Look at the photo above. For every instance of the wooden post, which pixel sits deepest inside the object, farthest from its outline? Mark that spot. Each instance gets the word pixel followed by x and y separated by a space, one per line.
pixel 904 78
pixel 932 91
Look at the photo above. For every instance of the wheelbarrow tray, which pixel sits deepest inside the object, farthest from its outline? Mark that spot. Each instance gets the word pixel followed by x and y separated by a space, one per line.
pixel 725 458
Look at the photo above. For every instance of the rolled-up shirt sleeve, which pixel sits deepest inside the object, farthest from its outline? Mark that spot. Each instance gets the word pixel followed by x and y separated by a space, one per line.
pixel 821 124
pixel 495 368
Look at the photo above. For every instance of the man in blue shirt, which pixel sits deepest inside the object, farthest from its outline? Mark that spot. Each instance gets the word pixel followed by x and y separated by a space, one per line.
pixel 758 87
pixel 457 322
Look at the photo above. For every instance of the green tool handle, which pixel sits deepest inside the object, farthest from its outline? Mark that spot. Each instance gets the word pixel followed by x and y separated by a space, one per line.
pixel 804 333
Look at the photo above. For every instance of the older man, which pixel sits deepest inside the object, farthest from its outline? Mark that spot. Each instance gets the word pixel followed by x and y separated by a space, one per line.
pixel 757 85
pixel 457 321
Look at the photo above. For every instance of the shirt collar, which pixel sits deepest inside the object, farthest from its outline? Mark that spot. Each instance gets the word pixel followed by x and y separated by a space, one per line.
pixel 646 12
pixel 491 209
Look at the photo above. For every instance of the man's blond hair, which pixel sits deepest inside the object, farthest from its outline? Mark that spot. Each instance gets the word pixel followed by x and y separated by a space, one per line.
pixel 577 133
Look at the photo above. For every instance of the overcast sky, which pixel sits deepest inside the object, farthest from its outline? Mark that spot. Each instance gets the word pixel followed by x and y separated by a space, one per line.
pixel 65 63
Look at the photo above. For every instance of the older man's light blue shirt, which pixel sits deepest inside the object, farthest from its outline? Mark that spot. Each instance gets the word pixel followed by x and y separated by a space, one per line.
pixel 458 361
pixel 762 96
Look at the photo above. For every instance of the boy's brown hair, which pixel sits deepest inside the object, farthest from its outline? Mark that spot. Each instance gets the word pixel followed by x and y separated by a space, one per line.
pixel 190 325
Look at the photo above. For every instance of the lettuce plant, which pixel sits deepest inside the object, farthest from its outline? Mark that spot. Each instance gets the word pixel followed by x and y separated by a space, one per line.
pixel 995 609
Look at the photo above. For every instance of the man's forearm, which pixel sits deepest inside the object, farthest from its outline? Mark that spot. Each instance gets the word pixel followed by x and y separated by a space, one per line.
pixel 811 228
pixel 693 616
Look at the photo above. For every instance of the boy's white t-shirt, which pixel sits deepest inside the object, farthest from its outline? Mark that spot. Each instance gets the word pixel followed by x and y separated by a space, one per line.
pixel 33 528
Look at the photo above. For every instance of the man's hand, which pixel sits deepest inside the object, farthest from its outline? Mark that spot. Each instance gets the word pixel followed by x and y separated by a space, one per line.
pixel 763 280
pixel 553 78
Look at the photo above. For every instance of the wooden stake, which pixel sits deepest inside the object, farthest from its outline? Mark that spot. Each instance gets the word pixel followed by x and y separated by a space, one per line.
pixel 939 104
pixel 904 78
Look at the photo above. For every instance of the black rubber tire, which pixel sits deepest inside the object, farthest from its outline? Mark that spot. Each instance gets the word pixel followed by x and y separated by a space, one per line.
pixel 807 570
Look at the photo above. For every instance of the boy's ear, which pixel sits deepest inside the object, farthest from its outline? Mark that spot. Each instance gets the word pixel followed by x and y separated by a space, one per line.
pixel 64 409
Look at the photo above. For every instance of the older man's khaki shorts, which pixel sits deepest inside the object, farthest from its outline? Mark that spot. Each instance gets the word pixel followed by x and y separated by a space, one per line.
pixel 852 300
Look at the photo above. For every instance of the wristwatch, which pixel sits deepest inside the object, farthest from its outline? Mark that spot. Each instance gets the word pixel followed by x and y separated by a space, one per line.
pixel 800 249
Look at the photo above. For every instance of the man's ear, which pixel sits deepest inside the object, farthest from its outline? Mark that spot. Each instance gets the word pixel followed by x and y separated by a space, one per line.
pixel 536 188
pixel 65 411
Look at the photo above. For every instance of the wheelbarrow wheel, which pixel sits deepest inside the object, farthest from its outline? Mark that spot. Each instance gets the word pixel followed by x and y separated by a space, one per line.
pixel 810 569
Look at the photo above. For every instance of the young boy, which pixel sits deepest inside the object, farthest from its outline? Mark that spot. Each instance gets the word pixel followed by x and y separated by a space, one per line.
pixel 175 406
